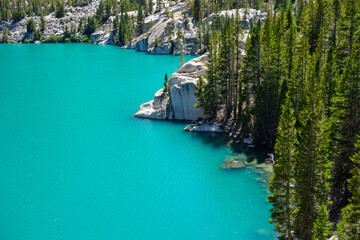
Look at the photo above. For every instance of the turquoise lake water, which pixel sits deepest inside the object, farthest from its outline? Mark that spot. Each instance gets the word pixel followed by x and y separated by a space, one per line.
pixel 75 164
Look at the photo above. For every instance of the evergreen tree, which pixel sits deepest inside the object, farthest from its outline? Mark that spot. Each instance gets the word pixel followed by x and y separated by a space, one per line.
pixel 347 25
pixel 140 20
pixel 349 226
pixel 312 167
pixel 182 60
pixel 60 9
pixel 199 94
pixel 30 26
pixel 345 121
pixel 151 6
pixel 322 225
pixel 197 10
pixel 166 83
pixel 282 181
pixel 42 23
pixel 226 66
pixel 251 78
pixel 5 35
pixel 211 90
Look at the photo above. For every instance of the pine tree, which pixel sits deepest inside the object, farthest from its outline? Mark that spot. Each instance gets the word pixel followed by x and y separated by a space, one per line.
pixel 349 226
pixel 60 9
pixel 182 59
pixel 322 225
pixel 226 66
pixel 282 181
pixel 140 20
pixel 166 83
pixel 199 94
pixel 5 35
pixel 347 27
pixel 345 121
pixel 251 74
pixel 151 6
pixel 299 74
pixel 211 90
pixel 330 71
pixel 311 165
pixel 42 23
pixel 197 10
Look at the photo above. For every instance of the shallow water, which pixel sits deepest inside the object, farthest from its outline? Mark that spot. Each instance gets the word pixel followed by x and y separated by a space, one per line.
pixel 75 164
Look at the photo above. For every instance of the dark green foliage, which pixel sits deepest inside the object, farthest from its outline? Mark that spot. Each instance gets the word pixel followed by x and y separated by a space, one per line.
pixel 312 169
pixel 140 21
pixel 151 6
pixel 91 26
pixel 281 183
pixel 53 39
pixel 199 94
pixel 345 121
pixel 17 12
pixel 60 9
pixel 5 38
pixel 197 10
pixel 30 26
pixel 126 29
pixel 349 226
pixel 166 83
pixel 42 23
pixel 37 34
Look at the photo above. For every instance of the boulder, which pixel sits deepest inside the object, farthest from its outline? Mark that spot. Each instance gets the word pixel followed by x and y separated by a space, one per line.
pixel 95 37
pixel 154 109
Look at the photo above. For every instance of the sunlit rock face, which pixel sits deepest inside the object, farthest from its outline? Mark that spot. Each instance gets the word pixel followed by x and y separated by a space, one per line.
pixel 178 102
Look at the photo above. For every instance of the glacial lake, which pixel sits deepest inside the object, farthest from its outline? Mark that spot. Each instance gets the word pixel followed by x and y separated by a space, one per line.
pixel 76 164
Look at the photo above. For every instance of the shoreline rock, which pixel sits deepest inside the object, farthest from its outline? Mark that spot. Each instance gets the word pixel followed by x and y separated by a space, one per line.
pixel 178 103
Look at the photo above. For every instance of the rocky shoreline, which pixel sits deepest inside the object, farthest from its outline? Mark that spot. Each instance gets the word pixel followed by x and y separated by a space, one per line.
pixel 161 29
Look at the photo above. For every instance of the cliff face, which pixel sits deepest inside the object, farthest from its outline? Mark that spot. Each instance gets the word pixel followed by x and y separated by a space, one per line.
pixel 165 31
pixel 178 103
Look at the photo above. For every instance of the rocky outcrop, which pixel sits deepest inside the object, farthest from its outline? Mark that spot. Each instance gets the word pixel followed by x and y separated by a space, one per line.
pixel 155 109
pixel 162 37
pixel 54 26
pixel 248 16
pixel 178 103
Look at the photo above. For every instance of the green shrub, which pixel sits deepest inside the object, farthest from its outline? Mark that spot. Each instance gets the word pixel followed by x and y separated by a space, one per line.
pixel 53 39
pixel 30 26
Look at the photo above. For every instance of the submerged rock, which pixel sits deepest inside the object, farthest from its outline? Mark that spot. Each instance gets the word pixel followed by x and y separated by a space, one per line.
pixel 205 128
pixel 231 164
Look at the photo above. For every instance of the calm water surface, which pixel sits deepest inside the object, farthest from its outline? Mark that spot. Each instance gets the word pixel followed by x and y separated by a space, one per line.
pixel 75 164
